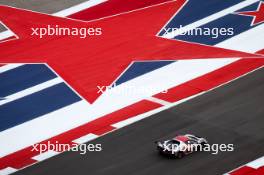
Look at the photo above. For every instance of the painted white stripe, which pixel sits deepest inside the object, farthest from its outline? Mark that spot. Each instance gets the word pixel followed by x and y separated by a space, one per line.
pixel 43 127
pixel 157 100
pixel 62 13
pixel 7 171
pixel 139 117
pixel 209 18
pixel 31 90
pixel 45 155
pixel 85 138
pixel 152 112
pixel 256 163
pixel 9 67
pixel 250 41
pixel 6 34
pixel 78 8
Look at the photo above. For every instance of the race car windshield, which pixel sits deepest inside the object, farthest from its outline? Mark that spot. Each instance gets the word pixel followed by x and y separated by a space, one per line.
pixel 174 142
pixel 192 137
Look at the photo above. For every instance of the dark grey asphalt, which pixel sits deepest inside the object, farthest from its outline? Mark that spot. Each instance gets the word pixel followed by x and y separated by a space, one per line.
pixel 45 6
pixel 233 113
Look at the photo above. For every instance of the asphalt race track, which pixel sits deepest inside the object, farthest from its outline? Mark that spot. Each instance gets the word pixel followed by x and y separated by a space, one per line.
pixel 230 114
pixel 44 6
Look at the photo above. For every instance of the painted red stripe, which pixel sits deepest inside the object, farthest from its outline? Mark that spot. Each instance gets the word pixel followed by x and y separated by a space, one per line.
pixel 179 92
pixel 104 130
pixel 99 126
pixel 246 170
pixel 211 79
pixel 113 7
pixel 261 52
pixel 22 164
pixel 18 159
pixel 260 171
pixel 243 171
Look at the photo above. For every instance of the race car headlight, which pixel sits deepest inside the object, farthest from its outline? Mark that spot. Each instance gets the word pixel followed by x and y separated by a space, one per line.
pixel 159 144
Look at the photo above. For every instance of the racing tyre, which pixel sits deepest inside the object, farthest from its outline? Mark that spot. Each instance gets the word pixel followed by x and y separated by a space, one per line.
pixel 203 145
pixel 180 155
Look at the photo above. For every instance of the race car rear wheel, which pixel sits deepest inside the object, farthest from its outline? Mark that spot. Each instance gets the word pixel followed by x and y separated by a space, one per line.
pixel 203 144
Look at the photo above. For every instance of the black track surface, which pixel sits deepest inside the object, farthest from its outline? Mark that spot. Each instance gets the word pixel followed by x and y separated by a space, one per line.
pixel 44 6
pixel 233 113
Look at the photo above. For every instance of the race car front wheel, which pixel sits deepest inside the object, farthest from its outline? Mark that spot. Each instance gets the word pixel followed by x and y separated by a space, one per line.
pixel 180 155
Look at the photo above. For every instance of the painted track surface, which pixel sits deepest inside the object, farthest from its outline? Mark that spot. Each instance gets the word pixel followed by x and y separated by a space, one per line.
pixel 125 160
pixel 230 114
